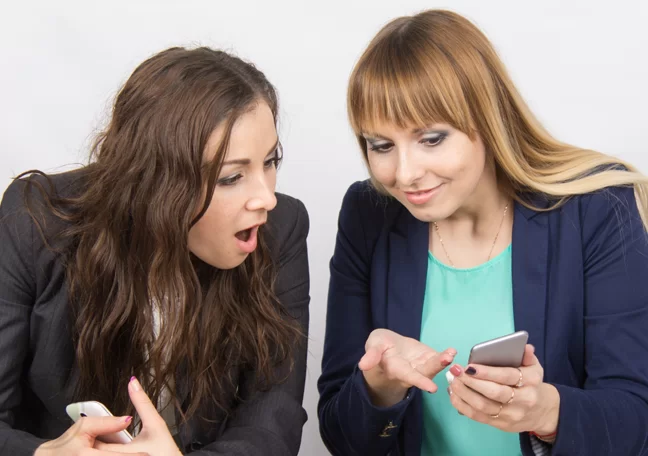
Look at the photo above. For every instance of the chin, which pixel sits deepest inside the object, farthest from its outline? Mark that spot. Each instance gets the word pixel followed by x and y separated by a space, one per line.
pixel 428 215
pixel 232 261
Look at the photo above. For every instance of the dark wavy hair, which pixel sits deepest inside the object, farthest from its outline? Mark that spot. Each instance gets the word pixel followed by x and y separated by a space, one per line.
pixel 128 248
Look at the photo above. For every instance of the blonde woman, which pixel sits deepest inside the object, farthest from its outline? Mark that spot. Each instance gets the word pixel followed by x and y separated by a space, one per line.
pixel 475 223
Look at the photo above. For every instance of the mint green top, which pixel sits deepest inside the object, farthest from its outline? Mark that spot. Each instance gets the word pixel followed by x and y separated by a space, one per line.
pixel 463 307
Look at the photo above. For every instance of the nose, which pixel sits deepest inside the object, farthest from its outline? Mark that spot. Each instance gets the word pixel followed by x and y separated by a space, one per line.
pixel 263 197
pixel 408 171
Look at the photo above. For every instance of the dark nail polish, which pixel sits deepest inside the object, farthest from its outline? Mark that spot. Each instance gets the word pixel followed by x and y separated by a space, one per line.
pixel 448 390
pixel 471 371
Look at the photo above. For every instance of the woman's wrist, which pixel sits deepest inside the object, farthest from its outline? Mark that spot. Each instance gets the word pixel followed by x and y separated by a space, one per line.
pixel 382 393
pixel 548 427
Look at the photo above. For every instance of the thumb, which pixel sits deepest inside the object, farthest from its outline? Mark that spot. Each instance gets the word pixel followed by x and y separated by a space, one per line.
pixel 529 357
pixel 145 409
pixel 96 426
pixel 371 358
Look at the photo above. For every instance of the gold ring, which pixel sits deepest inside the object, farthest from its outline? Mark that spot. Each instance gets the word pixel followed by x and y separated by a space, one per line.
pixel 498 413
pixel 519 383
pixel 512 396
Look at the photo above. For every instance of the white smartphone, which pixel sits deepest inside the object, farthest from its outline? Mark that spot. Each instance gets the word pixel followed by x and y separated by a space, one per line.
pixel 505 351
pixel 97 409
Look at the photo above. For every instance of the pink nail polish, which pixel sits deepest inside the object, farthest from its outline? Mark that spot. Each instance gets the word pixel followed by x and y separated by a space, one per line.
pixel 455 370
pixel 445 363
pixel 129 419
pixel 131 379
pixel 134 384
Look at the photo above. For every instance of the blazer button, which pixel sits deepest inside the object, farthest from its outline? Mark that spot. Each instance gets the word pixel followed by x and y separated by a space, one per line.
pixel 386 429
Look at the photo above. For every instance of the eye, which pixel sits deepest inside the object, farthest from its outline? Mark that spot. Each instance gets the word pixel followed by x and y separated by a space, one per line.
pixel 434 140
pixel 276 158
pixel 380 147
pixel 231 180
pixel 271 162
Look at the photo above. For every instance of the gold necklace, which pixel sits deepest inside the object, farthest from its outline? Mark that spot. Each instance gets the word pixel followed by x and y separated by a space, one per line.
pixel 436 229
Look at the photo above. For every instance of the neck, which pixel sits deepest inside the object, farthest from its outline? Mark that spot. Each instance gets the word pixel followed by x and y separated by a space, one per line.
pixel 483 209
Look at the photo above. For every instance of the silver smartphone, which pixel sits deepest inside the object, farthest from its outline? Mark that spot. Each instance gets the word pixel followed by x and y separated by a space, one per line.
pixel 505 351
pixel 92 409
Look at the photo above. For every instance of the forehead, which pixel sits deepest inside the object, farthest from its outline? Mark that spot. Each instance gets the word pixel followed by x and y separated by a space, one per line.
pixel 253 133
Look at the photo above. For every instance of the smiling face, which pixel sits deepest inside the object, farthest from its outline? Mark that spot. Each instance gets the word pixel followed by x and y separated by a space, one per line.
pixel 245 190
pixel 432 171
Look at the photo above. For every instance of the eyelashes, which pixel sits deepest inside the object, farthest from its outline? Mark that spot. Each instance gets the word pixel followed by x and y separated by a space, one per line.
pixel 276 158
pixel 231 180
pixel 427 141
pixel 269 163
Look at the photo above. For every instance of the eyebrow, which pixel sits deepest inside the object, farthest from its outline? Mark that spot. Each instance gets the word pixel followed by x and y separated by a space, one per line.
pixel 246 161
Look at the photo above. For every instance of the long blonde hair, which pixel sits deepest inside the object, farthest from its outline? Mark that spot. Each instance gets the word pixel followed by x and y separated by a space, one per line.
pixel 437 67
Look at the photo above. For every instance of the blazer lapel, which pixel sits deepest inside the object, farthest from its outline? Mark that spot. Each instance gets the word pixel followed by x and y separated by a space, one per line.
pixel 529 264
pixel 407 274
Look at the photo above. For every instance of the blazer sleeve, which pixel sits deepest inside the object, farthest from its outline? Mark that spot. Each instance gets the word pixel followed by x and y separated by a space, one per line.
pixel 270 422
pixel 17 297
pixel 609 415
pixel 349 423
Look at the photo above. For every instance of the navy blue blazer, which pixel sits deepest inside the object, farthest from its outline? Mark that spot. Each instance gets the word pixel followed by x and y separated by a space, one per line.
pixel 580 288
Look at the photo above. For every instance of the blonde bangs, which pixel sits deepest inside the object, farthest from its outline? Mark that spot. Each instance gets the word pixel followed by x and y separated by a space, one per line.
pixel 400 82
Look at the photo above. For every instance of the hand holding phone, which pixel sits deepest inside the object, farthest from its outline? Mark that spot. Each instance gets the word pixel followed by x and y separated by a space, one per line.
pixel 505 351
pixel 96 409
pixel 82 437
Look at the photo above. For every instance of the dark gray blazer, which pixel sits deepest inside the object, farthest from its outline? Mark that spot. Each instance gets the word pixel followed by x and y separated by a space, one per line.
pixel 36 352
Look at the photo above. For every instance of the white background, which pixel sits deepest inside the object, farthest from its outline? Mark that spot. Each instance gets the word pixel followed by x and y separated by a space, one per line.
pixel 583 69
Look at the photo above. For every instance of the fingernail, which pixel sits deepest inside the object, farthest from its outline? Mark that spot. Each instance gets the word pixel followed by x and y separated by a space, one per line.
pixel 455 370
pixel 128 419
pixel 471 371
pixel 135 384
pixel 460 413
pixel 445 363
pixel 449 391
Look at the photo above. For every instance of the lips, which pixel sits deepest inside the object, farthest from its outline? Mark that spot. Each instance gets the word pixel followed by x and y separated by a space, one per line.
pixel 247 239
pixel 422 196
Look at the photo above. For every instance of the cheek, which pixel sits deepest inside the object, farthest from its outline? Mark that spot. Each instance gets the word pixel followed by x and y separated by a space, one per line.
pixel 208 234
pixel 382 169
pixel 464 168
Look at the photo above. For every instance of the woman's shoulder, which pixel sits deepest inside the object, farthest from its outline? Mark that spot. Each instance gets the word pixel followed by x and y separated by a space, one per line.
pixel 288 221
pixel 596 216
pixel 363 206
pixel 36 187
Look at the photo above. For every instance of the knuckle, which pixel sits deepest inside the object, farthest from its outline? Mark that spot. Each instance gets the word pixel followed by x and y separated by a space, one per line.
pixel 479 404
pixel 483 404
pixel 516 415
